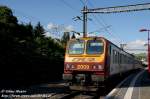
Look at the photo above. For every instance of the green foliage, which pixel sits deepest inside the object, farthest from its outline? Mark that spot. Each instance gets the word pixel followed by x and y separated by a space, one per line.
pixel 65 38
pixel 73 36
pixel 26 55
pixel 141 56
pixel 39 30
pixel 6 15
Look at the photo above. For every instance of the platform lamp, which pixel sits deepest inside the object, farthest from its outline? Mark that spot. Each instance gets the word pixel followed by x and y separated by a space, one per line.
pixel 148 54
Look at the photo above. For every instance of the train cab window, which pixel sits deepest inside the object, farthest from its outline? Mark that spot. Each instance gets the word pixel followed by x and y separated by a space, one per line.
pixel 76 47
pixel 95 47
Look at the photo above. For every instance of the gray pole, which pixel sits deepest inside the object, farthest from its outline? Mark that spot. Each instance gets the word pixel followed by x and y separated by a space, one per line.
pixel 85 21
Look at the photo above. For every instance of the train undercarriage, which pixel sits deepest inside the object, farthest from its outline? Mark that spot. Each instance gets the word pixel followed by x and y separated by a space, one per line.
pixel 85 81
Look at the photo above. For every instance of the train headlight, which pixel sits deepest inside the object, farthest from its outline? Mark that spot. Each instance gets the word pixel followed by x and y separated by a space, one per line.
pixel 94 67
pixel 97 67
pixel 100 67
pixel 67 66
pixel 72 66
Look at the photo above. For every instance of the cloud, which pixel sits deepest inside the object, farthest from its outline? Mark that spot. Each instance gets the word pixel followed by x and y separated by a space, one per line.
pixel 61 28
pixel 136 46
pixel 53 35
pixel 50 26
pixel 68 28
pixel 56 31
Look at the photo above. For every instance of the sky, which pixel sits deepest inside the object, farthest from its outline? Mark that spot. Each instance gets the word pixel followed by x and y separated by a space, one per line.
pixel 57 16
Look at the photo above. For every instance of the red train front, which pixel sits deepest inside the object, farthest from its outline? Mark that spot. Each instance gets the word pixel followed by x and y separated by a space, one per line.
pixel 85 59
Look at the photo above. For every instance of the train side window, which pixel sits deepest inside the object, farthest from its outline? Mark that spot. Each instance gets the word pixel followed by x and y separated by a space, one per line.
pixel 114 56
pixel 121 58
pixel 118 58
pixel 125 60
pixel 129 60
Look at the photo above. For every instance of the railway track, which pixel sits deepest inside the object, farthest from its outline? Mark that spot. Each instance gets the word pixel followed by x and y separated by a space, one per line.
pixel 58 91
pixel 76 95
pixel 44 92
pixel 74 92
pixel 62 90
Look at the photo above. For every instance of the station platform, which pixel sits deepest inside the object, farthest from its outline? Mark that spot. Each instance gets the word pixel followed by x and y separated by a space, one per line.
pixel 142 87
pixel 136 86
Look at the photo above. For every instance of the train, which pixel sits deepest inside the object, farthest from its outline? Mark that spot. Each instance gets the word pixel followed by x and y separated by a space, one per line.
pixel 96 59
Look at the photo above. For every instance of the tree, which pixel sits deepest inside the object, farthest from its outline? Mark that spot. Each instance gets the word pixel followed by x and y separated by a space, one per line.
pixel 73 36
pixel 65 38
pixel 30 31
pixel 6 15
pixel 8 23
pixel 25 52
pixel 141 56
pixel 39 30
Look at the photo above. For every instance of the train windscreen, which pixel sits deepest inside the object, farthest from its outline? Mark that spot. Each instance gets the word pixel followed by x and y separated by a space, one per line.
pixel 95 47
pixel 76 47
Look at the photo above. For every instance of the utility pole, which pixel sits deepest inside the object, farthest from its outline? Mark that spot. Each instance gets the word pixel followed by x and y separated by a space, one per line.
pixel 116 9
pixel 85 21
